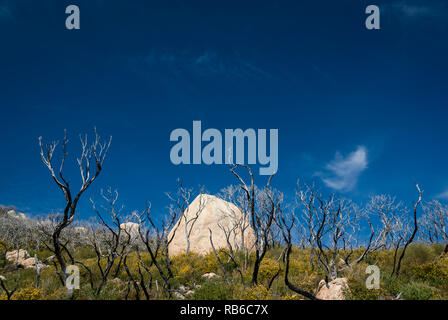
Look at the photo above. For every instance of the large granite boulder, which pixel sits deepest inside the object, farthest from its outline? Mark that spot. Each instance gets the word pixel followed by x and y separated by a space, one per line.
pixel 206 213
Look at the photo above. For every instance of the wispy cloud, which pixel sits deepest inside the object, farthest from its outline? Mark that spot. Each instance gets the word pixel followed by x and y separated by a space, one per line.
pixel 342 173
pixel 205 64
pixel 5 12
pixel 418 9
pixel 443 195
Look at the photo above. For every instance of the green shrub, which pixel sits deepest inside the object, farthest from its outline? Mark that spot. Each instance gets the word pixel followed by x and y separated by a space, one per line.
pixel 213 290
pixel 417 291
pixel 359 291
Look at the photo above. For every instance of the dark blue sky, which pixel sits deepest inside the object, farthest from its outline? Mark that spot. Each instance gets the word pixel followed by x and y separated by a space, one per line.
pixel 362 111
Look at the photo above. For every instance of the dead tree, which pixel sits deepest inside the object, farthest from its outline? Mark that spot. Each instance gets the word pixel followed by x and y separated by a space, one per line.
pixel 217 256
pixel 237 210
pixel 93 154
pixel 436 223
pixel 331 226
pixel 9 293
pixel 401 231
pixel 286 224
pixel 386 210
pixel 110 241
pixel 181 202
pixel 261 215
pixel 156 241
pixel 314 214
pixel 414 232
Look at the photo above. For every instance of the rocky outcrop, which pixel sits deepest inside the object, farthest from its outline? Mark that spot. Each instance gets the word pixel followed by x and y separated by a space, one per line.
pixel 207 213
pixel 18 215
pixel 21 259
pixel 333 290
pixel 16 256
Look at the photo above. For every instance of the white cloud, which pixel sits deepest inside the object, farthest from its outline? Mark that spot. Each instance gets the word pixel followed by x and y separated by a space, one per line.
pixel 342 173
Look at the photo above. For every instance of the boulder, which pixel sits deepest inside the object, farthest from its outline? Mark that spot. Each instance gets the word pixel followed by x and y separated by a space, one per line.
pixel 21 258
pixel 205 213
pixel 16 256
pixel 14 214
pixel 30 263
pixel 210 276
pixel 80 230
pixel 130 228
pixel 334 290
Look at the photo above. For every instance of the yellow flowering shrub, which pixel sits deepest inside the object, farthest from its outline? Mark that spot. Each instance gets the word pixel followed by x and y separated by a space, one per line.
pixel 268 268
pixel 435 273
pixel 258 292
pixel 27 294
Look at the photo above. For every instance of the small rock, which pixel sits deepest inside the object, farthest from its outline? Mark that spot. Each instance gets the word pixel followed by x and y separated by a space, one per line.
pixel 210 275
pixel 117 281
pixel 178 296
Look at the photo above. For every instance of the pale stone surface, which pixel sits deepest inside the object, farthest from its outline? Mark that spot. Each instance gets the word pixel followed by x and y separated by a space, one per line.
pixel 81 230
pixel 333 291
pixel 215 214
pixel 17 255
pixel 130 228
pixel 14 214
pixel 210 275
pixel 21 258
pixel 30 263
pixel 178 296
